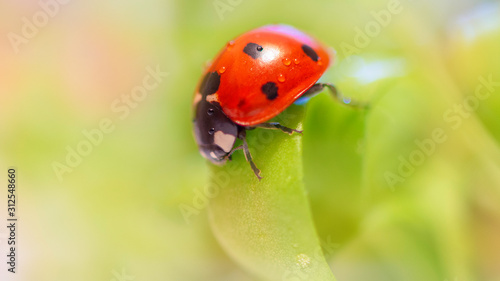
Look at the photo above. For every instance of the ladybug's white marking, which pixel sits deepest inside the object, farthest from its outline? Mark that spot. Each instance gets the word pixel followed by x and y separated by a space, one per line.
pixel 197 98
pixel 212 154
pixel 225 141
pixel 213 98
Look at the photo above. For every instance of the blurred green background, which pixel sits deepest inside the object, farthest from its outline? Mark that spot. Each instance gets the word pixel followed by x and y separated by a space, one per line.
pixel 386 213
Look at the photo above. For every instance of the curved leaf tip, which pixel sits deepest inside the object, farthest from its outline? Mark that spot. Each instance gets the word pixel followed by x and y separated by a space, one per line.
pixel 267 226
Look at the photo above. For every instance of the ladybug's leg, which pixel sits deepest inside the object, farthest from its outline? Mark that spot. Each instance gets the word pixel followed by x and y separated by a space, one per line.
pixel 318 87
pixel 230 155
pixel 276 126
pixel 248 156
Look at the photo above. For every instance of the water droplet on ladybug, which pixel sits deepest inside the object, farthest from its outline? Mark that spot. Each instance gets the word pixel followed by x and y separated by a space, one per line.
pixel 320 62
pixel 287 61
pixel 281 78
pixel 222 70
pixel 296 61
pixel 230 44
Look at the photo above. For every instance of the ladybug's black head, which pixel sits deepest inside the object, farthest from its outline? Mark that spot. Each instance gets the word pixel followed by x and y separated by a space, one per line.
pixel 214 132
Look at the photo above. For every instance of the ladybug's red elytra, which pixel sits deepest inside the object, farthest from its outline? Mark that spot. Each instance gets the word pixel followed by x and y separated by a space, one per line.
pixel 254 78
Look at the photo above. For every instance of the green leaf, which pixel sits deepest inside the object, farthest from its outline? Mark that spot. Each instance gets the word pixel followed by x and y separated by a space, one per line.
pixel 267 226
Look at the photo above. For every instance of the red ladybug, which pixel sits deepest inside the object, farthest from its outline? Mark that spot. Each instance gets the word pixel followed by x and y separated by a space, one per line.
pixel 254 78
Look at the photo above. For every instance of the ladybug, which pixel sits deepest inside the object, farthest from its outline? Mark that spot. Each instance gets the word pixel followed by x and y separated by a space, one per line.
pixel 253 79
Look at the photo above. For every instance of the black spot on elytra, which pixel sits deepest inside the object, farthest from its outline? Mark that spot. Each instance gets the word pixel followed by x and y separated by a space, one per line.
pixel 210 84
pixel 254 50
pixel 310 52
pixel 270 90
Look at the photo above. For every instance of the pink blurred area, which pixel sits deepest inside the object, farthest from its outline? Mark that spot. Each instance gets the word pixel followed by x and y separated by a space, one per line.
pixel 84 56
